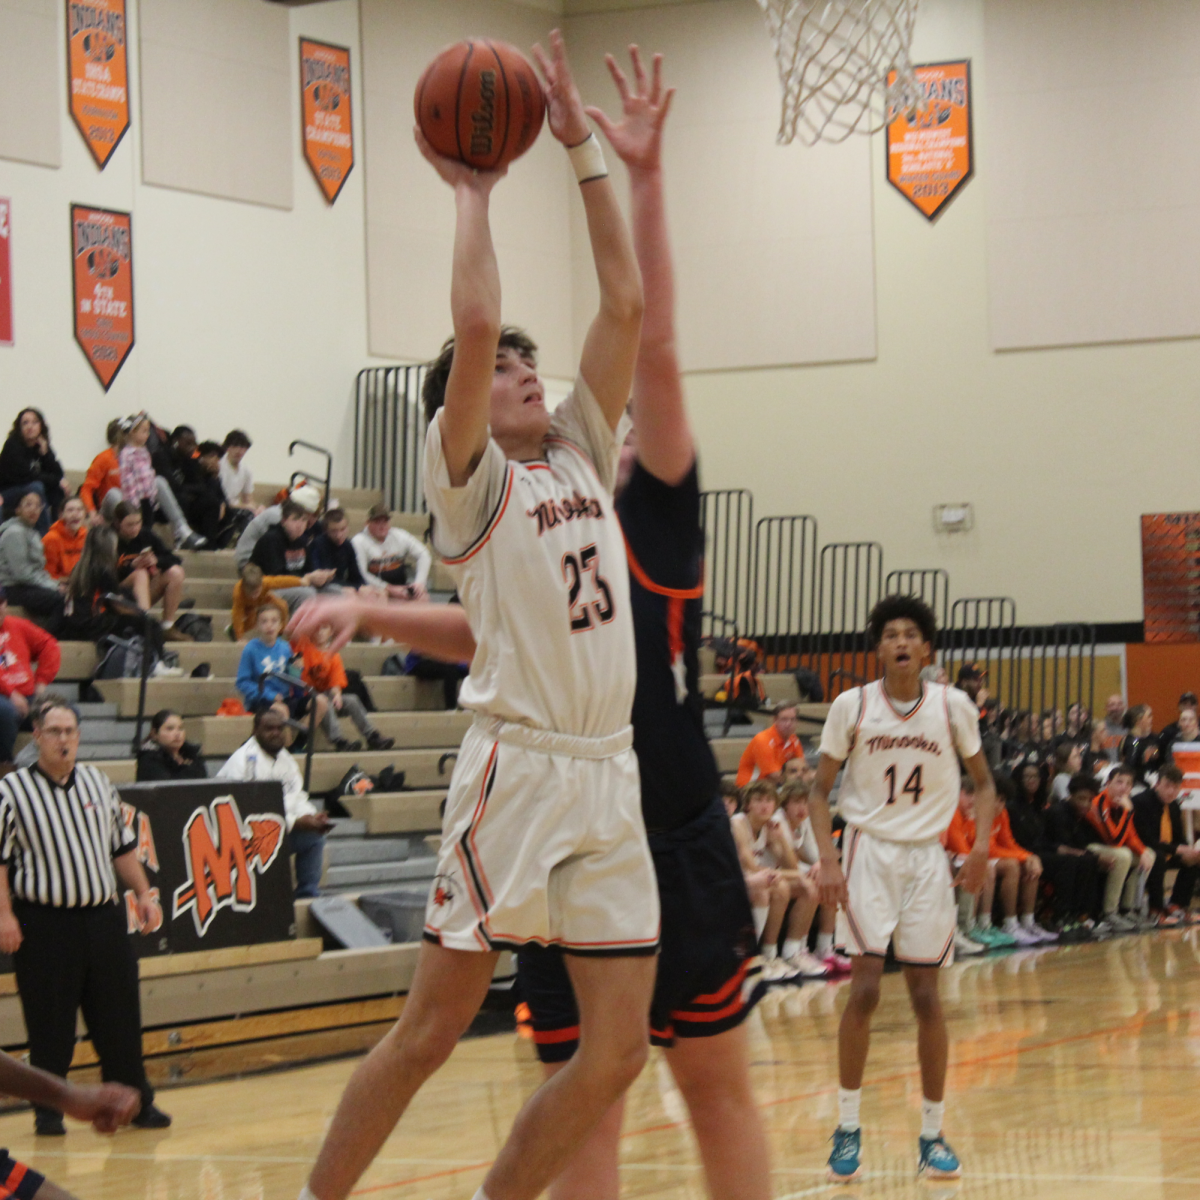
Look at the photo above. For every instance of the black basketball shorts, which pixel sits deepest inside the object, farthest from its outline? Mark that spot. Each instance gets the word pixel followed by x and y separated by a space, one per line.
pixel 709 973
pixel 17 1180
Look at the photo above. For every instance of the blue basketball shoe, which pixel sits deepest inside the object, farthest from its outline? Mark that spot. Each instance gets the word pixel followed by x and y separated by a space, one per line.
pixel 936 1160
pixel 844 1157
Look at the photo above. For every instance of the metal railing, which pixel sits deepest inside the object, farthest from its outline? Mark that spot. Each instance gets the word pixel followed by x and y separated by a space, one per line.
pixel 849 585
pixel 783 586
pixel 931 584
pixel 1053 668
pixel 726 519
pixel 324 480
pixel 389 435
pixel 982 630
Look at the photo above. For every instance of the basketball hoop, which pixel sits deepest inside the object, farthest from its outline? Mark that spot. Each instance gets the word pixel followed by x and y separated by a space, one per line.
pixel 834 60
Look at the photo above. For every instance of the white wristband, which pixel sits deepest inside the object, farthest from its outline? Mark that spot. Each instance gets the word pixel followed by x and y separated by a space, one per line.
pixel 588 159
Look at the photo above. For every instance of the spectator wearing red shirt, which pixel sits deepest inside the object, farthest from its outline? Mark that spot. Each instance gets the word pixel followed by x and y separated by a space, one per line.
pixel 764 757
pixel 22 644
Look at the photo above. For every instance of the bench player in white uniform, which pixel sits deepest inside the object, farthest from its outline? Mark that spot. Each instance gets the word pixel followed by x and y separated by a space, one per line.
pixel 900 741
pixel 543 835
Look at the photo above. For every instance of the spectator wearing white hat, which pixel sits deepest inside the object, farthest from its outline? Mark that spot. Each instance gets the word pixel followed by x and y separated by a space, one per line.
pixel 309 499
pixel 391 560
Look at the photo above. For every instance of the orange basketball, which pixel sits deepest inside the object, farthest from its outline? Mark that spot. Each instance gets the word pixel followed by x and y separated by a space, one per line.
pixel 481 103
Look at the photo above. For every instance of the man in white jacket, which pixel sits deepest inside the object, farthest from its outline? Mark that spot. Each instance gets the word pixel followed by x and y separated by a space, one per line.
pixel 391 561
pixel 265 757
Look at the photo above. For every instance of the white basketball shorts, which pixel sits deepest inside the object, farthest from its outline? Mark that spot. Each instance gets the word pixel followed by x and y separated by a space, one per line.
pixel 899 892
pixel 543 841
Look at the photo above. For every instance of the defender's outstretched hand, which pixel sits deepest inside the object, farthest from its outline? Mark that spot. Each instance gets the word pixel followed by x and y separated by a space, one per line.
pixel 564 108
pixel 637 138
pixel 455 173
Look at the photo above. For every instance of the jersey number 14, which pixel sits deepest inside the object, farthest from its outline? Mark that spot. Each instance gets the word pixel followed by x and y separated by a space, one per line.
pixel 575 571
pixel 912 785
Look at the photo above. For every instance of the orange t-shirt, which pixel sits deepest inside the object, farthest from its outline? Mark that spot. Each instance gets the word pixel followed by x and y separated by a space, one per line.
pixel 959 837
pixel 768 752
pixel 1002 844
pixel 103 475
pixel 245 609
pixel 63 549
pixel 322 669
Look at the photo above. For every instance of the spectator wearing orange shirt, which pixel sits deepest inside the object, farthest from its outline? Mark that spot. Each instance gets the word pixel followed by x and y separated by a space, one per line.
pixel 253 592
pixel 764 757
pixel 1111 815
pixel 975 929
pixel 325 673
pixel 63 542
pixel 105 472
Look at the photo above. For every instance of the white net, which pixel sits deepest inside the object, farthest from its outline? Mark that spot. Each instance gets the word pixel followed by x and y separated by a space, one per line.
pixel 834 59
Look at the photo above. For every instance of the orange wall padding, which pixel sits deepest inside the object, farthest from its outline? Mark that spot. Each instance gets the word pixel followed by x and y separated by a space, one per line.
pixel 1157 672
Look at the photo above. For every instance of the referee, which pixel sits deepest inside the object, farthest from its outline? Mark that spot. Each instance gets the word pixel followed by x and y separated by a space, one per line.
pixel 63 846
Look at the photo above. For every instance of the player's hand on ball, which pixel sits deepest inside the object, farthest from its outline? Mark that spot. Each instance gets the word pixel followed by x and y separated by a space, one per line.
pixel 107 1106
pixel 831 881
pixel 564 108
pixel 972 873
pixel 637 138
pixel 455 173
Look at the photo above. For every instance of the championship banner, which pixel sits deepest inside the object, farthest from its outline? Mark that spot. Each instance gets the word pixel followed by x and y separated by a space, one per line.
pixel 6 300
pixel 929 153
pixel 102 248
pixel 1171 576
pixel 327 129
pixel 216 857
pixel 97 78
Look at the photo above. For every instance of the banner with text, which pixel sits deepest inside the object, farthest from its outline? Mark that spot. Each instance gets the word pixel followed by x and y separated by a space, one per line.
pixel 97 75
pixel 216 856
pixel 1171 576
pixel 929 153
pixel 327 128
pixel 102 248
pixel 6 294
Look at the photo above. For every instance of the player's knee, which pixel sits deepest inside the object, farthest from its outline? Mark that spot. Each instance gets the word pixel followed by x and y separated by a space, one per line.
pixel 781 891
pixel 175 575
pixel 926 1004
pixel 423 1045
pixel 613 1067
pixel 864 996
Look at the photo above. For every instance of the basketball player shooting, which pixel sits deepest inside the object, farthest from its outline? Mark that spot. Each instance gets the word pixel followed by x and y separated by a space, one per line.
pixel 543 835
pixel 900 741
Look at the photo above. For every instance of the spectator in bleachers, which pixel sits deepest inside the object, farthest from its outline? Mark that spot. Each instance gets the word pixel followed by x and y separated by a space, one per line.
pixel 1159 823
pixel 971 679
pixel 974 912
pixel 253 592
pixel 799 770
pixel 265 654
pixel 391 560
pixel 731 797
pixel 309 499
pixel 237 482
pixel 1187 730
pixel 23 565
pixel 1068 761
pixel 147 569
pixel 934 673
pixel 29 661
pixel 1079 723
pixel 1070 831
pixel 198 492
pixel 1018 880
pixel 105 472
pixel 143 487
pixel 333 550
pixel 63 543
pixel 27 463
pixel 286 549
pixel 94 576
pixel 1114 728
pixel 1170 733
pixel 768 750
pixel 265 757
pixel 1139 747
pixel 325 673
pixel 1111 814
pixel 167 756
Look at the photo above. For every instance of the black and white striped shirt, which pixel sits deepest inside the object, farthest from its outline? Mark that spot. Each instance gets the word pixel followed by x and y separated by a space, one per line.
pixel 59 842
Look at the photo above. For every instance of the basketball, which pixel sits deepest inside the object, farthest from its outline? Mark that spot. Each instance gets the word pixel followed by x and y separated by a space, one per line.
pixel 480 102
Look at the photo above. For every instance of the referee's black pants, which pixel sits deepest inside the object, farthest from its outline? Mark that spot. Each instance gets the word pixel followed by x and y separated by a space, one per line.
pixel 80 958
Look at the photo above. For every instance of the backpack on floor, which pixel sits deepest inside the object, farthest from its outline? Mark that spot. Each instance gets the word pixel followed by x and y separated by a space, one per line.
pixel 121 658
pixel 197 626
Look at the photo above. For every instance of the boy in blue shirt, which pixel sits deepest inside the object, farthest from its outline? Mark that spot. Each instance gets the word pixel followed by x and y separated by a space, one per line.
pixel 264 653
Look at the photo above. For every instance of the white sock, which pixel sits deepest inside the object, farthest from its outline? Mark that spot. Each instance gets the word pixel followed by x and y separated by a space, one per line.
pixel 1027 921
pixel 168 624
pixel 985 920
pixel 932 1114
pixel 306 1194
pixel 1010 923
pixel 791 946
pixel 849 1100
pixel 824 944
pixel 480 1195
pixel 760 919
pixel 769 953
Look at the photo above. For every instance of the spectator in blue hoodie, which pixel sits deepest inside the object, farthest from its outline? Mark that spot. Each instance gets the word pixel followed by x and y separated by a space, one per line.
pixel 264 653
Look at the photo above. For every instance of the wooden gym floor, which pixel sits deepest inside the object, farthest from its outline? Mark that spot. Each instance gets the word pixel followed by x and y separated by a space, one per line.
pixel 1074 1073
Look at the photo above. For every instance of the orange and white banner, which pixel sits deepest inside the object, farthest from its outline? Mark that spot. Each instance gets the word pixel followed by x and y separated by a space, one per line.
pixel 102 249
pixel 929 153
pixel 6 299
pixel 327 127
pixel 97 75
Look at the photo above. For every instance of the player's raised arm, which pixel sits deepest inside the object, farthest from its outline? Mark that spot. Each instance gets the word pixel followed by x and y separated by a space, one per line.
pixel 664 438
pixel 439 631
pixel 611 346
pixel 475 310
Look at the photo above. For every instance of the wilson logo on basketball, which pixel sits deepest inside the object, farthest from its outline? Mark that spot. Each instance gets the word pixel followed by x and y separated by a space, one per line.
pixel 224 854
pixel 483 119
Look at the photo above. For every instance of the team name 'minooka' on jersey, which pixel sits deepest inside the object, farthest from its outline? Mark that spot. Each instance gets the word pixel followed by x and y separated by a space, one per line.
pixel 884 742
pixel 551 513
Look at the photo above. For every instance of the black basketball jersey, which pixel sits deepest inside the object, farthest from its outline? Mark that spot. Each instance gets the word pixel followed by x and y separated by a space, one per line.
pixel 665 549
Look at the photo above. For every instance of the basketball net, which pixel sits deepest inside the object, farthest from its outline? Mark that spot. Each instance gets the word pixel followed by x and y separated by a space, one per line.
pixel 834 59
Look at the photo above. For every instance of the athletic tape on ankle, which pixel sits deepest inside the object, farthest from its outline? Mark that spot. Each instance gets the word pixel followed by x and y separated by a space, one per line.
pixel 588 159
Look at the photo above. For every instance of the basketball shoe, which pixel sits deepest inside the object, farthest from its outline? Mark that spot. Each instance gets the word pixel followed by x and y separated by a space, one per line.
pixel 935 1159
pixel 845 1156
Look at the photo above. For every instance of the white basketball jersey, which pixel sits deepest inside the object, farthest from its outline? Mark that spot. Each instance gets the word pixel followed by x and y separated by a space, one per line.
pixel 760 846
pixel 538 557
pixel 902 774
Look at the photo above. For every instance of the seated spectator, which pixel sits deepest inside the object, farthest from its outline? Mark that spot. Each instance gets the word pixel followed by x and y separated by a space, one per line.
pixel 265 757
pixel 1170 733
pixel 1068 761
pixel 197 490
pixel 27 464
pixel 972 679
pixel 255 591
pixel 147 569
pixel 264 657
pixel 167 755
pixel 1111 814
pixel 799 770
pixel 105 472
pixel 332 550
pixel 94 576
pixel 768 750
pixel 23 565
pixel 774 879
pixel 237 483
pixel 305 495
pixel 29 660
pixel 1078 727
pixel 1159 823
pixel 731 797
pixel 286 549
pixel 143 488
pixel 63 543
pixel 1114 727
pixel 1139 747
pixel 325 673
pixel 391 560
pixel 1187 732
pixel 958 838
